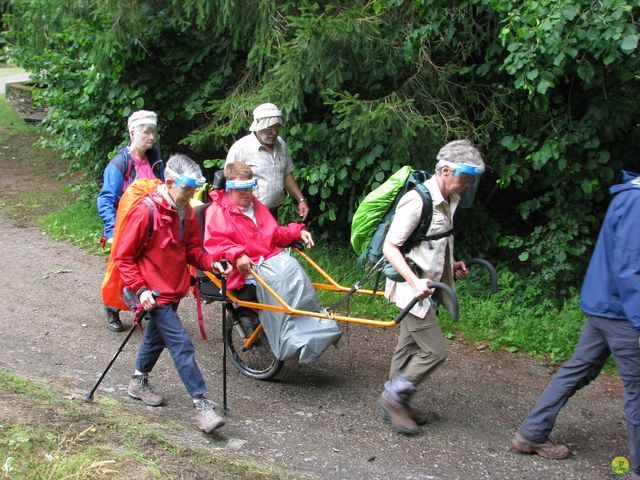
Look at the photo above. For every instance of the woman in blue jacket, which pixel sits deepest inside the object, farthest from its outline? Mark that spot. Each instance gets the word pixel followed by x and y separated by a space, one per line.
pixel 140 159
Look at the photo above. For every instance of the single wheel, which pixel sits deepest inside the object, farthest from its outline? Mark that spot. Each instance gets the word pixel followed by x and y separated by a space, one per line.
pixel 257 361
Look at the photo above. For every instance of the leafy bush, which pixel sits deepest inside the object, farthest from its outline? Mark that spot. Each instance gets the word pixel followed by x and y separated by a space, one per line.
pixel 547 89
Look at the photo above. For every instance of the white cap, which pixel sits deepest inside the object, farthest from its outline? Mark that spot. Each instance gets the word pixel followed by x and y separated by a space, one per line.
pixel 264 116
pixel 142 117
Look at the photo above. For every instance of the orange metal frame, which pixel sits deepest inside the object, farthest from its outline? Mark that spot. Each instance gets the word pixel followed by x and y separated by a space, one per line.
pixel 284 307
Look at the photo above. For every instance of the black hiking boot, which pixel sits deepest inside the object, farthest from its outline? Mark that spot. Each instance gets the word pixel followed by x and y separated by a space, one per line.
pixel 113 320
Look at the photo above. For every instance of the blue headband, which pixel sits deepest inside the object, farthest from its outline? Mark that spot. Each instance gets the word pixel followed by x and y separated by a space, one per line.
pixel 466 168
pixel 181 179
pixel 240 184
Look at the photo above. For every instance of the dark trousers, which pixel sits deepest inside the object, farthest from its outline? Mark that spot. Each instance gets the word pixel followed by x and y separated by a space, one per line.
pixel 165 329
pixel 600 337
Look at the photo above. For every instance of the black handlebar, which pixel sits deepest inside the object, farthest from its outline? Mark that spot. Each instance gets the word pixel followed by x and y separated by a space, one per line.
pixel 442 286
pixel 492 271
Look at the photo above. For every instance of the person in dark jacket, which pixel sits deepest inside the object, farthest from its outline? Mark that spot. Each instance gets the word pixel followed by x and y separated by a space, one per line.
pixel 610 298
pixel 140 159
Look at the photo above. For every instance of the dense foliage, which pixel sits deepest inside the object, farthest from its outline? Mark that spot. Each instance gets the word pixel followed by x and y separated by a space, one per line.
pixel 548 89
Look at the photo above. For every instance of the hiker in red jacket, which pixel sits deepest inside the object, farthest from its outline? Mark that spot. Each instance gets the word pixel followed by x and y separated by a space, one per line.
pixel 156 258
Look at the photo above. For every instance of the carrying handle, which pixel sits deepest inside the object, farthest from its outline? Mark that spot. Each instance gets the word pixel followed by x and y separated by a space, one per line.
pixel 492 271
pixel 442 286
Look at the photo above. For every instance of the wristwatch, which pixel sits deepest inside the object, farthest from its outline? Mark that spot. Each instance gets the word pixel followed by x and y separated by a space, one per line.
pixel 302 199
pixel 140 291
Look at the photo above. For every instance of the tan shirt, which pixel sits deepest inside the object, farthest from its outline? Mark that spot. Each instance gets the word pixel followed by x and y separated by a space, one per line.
pixel 435 260
pixel 268 166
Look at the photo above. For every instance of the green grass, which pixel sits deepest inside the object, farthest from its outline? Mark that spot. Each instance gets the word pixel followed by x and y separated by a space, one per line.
pixel 77 222
pixel 10 120
pixel 102 440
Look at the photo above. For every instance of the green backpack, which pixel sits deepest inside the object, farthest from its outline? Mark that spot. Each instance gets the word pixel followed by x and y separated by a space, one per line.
pixel 374 215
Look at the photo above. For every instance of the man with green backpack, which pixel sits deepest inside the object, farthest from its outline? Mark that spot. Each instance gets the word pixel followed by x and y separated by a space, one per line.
pixel 421 346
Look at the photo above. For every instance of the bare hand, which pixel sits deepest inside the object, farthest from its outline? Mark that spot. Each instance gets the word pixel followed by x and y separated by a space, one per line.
pixel 244 265
pixel 303 210
pixel 222 268
pixel 421 288
pixel 147 300
pixel 460 270
pixel 307 239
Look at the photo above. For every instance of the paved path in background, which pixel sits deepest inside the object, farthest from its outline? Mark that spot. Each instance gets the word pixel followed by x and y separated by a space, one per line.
pixel 20 77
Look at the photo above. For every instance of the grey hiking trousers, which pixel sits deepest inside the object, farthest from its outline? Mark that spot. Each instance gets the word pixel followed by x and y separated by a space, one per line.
pixel 600 337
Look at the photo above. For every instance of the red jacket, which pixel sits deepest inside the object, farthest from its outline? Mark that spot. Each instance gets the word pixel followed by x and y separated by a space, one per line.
pixel 159 262
pixel 229 234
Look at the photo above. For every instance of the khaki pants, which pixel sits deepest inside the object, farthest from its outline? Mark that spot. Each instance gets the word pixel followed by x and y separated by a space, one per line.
pixel 421 348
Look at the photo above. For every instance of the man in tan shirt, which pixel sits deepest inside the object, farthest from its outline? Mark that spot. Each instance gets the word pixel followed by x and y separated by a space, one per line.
pixel 421 345
pixel 267 155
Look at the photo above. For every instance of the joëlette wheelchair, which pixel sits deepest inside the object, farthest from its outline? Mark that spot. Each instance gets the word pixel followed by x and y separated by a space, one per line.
pixel 248 348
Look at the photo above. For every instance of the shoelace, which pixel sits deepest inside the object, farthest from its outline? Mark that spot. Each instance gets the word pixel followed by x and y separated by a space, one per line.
pixel 205 406
pixel 144 384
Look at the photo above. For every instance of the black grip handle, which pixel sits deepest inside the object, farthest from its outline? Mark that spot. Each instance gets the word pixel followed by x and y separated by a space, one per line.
pixel 132 300
pixel 406 309
pixel 492 271
pixel 442 286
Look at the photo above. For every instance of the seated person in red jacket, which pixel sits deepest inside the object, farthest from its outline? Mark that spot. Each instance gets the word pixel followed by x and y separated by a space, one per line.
pixel 239 228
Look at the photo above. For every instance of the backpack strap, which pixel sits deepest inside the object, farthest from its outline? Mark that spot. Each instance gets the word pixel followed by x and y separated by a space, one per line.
pixel 425 219
pixel 127 169
pixel 419 235
pixel 149 203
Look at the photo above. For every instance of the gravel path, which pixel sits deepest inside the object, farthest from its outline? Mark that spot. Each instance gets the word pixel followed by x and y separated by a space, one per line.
pixel 320 420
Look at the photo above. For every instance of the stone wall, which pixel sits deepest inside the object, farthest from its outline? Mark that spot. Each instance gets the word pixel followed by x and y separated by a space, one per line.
pixel 19 97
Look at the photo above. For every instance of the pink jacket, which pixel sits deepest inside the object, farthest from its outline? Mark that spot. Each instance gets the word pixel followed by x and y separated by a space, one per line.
pixel 229 234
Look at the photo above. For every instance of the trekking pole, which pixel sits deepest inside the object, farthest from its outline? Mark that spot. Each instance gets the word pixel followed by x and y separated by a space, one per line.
pixel 442 286
pixel 492 271
pixel 137 321
pixel 224 345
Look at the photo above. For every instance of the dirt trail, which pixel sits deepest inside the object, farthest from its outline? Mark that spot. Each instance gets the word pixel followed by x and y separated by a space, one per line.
pixel 321 419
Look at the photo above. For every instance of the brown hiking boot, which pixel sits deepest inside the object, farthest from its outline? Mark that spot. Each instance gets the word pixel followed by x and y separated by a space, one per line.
pixel 548 449
pixel 140 389
pixel 419 417
pixel 208 419
pixel 399 415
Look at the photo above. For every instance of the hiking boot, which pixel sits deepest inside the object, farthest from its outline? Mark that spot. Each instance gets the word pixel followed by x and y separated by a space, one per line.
pixel 548 449
pixel 208 419
pixel 419 417
pixel 113 320
pixel 140 389
pixel 399 415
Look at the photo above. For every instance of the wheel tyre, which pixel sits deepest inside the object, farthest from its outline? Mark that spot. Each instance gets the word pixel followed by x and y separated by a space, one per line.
pixel 257 362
